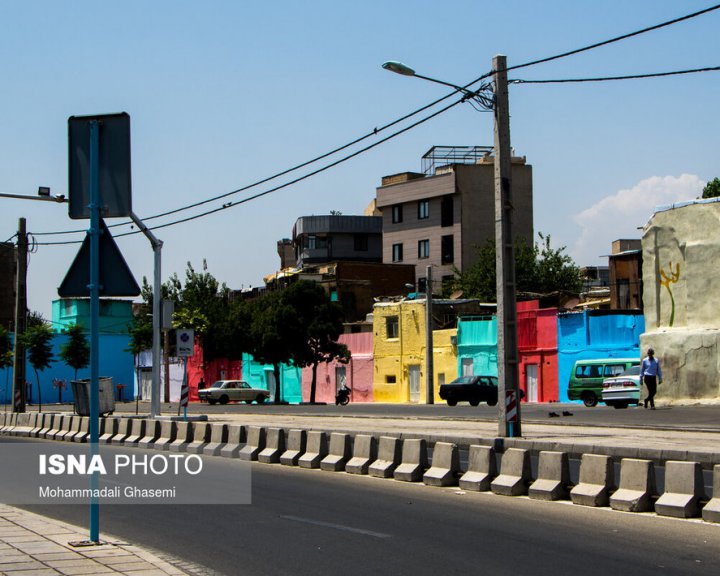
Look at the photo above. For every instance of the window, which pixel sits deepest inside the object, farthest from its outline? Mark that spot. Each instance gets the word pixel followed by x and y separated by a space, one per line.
pixel 361 242
pixel 390 379
pixel 392 327
pixel 423 209
pixel 422 285
pixel 446 211
pixel 447 255
pixel 316 242
pixel 397 252
pixel 397 215
pixel 423 248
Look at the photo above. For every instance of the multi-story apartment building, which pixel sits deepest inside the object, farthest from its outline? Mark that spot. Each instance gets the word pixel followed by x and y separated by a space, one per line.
pixel 439 217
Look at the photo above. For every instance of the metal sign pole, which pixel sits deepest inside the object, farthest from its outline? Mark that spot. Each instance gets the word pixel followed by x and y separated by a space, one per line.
pixel 94 288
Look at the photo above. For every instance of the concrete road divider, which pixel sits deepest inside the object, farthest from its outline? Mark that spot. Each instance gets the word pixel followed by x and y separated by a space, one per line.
pixel 67 424
pixel 389 457
pixel 637 486
pixel 254 444
pixel 684 489
pixel 515 473
pixel 597 481
pixel 39 425
pixel 83 430
pixel 218 439
pixel 123 431
pixel 47 425
pixel 137 432
pixel 338 454
pixel 183 437
pixel 414 461
pixel 168 433
pixel 23 424
pixel 482 469
pixel 201 437
pixel 445 467
pixel 296 446
pixel 364 453
pixel 108 429
pixel 153 429
pixel 74 429
pixel 553 477
pixel 235 441
pixel 3 420
pixel 274 446
pixel 316 450
pixel 711 511
pixel 10 421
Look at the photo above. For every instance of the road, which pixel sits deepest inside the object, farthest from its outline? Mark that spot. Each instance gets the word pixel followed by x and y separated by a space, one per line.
pixel 310 522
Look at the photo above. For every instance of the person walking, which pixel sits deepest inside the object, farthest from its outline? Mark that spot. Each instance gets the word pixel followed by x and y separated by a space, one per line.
pixel 651 375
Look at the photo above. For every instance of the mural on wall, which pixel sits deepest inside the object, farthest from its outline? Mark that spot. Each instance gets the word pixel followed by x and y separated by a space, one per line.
pixel 666 281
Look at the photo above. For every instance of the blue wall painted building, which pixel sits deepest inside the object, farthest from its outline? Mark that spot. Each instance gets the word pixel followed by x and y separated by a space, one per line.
pixel 595 334
pixel 261 376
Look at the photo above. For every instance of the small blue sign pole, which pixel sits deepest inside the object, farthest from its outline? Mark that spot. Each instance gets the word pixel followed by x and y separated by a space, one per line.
pixel 94 288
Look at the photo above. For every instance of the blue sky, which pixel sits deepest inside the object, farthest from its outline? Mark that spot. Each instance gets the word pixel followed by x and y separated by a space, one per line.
pixel 225 93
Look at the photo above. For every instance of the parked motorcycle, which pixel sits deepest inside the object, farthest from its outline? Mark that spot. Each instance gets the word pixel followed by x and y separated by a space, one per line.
pixel 343 396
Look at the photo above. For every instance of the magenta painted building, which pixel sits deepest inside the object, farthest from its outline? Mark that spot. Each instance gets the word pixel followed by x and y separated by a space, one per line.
pixel 357 374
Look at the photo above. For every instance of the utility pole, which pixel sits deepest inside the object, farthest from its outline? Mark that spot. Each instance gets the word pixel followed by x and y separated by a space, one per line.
pixel 429 367
pixel 20 319
pixel 507 346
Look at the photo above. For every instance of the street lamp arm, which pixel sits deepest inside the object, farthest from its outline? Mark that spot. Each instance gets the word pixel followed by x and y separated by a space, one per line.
pixel 60 198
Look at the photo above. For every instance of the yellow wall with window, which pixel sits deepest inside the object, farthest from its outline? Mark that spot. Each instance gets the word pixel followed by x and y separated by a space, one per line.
pixel 399 353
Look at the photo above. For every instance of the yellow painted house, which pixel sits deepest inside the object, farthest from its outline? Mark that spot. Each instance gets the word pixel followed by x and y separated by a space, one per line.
pixel 399 351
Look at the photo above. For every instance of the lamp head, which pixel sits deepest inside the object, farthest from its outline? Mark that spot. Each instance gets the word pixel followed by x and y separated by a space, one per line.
pixel 398 68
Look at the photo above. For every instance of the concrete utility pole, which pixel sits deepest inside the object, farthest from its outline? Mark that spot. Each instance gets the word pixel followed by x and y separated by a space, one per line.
pixel 507 346
pixel 20 319
pixel 429 366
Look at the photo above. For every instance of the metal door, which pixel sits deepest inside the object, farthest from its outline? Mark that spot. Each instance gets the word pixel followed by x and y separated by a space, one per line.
pixel 531 382
pixel 468 367
pixel 414 371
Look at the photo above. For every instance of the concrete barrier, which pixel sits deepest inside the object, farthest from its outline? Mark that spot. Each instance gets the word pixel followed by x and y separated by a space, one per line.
pixel 3 419
pixel 123 431
pixel 637 486
pixel 183 437
pixel 66 429
pixel 108 429
pixel 152 433
pixel 364 453
pixel 515 473
pixel 218 439
pixel 445 467
pixel 274 446
pixel 83 430
pixel 74 428
pixel 597 481
pixel 553 477
pixel 389 457
pixel 168 433
pixel 316 450
pixel 8 422
pixel 201 437
pixel 711 511
pixel 296 446
pixel 137 432
pixel 25 422
pixel 48 420
pixel 414 461
pixel 39 425
pixel 235 441
pixel 338 454
pixel 482 469
pixel 684 489
pixel 254 444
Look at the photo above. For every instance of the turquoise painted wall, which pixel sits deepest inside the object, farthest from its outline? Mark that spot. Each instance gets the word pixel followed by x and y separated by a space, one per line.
pixel 595 334
pixel 477 339
pixel 256 375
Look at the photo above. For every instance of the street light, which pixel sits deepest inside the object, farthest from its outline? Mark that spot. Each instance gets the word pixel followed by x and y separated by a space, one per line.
pixel 509 422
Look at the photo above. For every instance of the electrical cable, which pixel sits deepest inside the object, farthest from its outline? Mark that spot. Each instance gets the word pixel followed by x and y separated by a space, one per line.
pixel 609 78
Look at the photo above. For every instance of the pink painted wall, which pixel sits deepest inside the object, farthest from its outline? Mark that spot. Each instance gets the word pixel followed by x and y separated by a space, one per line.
pixel 359 372
pixel 218 369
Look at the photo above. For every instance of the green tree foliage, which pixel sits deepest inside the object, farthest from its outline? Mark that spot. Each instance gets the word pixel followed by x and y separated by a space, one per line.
pixel 76 351
pixel 539 269
pixel 712 189
pixel 6 350
pixel 37 342
pixel 141 329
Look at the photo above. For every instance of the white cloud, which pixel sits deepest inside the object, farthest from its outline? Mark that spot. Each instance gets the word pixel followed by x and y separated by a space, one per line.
pixel 620 215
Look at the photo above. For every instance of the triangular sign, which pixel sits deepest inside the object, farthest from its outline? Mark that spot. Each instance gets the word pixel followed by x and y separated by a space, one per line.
pixel 115 276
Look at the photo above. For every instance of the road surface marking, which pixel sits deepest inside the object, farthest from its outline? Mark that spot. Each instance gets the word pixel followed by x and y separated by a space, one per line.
pixel 337 527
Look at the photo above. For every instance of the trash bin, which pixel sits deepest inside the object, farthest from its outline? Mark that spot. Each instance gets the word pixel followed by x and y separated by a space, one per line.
pixel 81 396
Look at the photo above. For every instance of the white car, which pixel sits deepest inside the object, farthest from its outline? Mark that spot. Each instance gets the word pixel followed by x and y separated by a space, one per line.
pixel 623 389
pixel 225 391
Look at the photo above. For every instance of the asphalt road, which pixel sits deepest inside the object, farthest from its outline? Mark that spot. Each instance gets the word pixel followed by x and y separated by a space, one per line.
pixel 310 522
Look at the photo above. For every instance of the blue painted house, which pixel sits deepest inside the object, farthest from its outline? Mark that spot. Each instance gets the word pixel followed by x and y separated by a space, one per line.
pixel 262 376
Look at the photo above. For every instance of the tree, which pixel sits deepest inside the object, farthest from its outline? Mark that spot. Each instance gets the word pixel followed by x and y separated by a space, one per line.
pixel 76 351
pixel 539 269
pixel 712 188
pixel 39 350
pixel 6 354
pixel 141 329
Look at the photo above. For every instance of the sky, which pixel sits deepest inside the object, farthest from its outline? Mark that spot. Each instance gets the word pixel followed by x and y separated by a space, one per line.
pixel 226 93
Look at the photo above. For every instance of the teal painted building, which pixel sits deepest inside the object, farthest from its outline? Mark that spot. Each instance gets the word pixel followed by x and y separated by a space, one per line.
pixel 115 315
pixel 262 376
pixel 477 345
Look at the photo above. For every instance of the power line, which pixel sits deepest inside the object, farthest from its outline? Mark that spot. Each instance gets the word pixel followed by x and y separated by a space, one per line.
pixel 610 78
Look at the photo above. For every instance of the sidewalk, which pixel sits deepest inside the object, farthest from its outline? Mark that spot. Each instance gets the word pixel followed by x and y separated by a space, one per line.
pixel 32 545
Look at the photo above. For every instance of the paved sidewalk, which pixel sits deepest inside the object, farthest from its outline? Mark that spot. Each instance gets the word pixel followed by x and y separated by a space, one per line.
pixel 32 545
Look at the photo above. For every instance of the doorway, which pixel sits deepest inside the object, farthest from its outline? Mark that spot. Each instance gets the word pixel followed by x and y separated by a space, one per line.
pixel 531 382
pixel 414 371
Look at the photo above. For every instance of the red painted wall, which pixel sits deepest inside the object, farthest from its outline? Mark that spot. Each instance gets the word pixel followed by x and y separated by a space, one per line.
pixel 218 369
pixel 537 344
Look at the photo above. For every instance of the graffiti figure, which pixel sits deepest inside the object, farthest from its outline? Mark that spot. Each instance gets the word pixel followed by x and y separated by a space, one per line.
pixel 672 278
